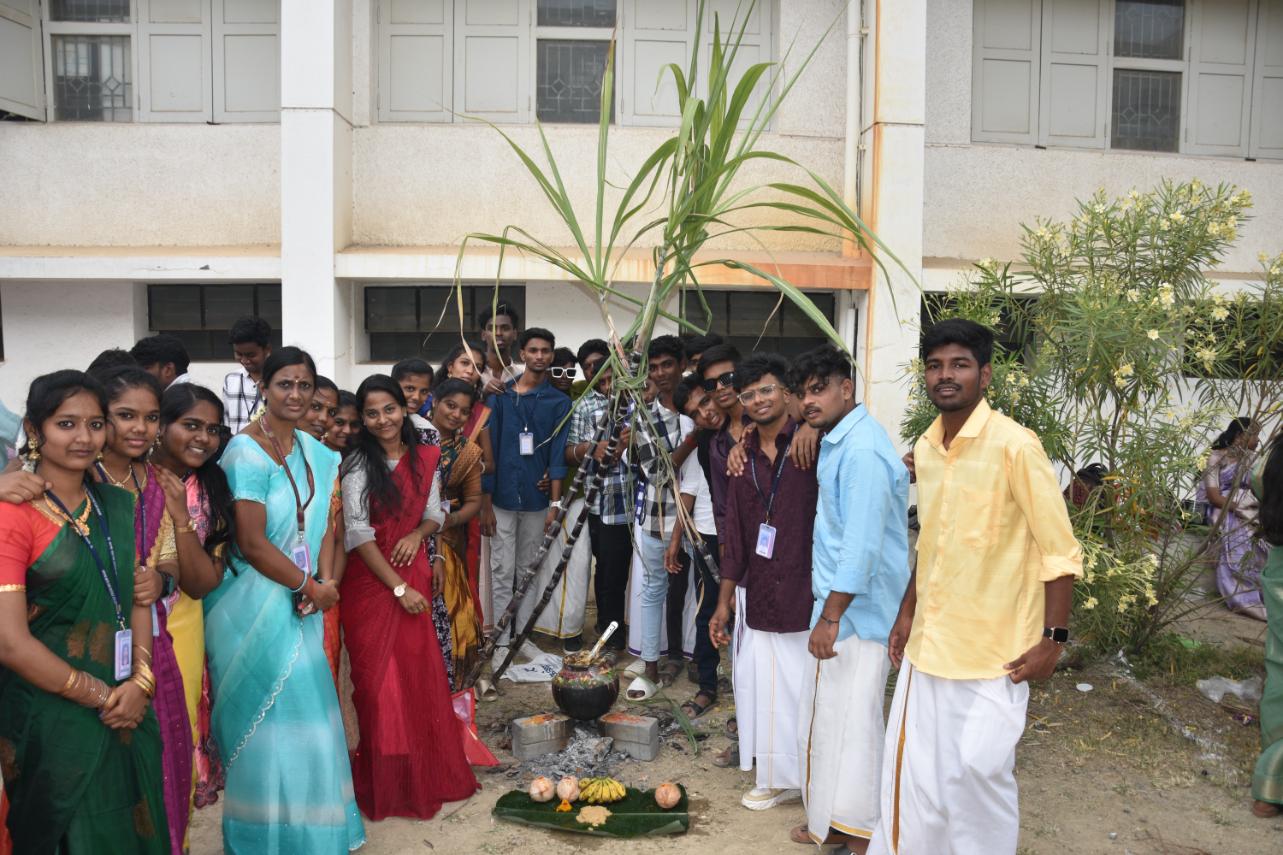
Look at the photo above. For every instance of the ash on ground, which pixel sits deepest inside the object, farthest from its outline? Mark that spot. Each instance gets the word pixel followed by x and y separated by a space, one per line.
pixel 588 755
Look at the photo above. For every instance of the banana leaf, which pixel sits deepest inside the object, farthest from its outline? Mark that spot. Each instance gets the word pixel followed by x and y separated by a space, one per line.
pixel 636 815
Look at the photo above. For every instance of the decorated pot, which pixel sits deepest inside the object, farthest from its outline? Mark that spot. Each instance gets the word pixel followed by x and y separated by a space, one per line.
pixel 585 690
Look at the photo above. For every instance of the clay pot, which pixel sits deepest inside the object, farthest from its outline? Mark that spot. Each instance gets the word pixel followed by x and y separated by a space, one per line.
pixel 585 690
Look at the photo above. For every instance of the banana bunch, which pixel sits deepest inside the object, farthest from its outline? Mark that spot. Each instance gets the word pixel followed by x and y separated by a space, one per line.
pixel 600 791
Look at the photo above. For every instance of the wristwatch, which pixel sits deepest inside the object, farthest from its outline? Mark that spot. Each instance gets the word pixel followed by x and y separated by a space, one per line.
pixel 1058 634
pixel 399 591
pixel 557 504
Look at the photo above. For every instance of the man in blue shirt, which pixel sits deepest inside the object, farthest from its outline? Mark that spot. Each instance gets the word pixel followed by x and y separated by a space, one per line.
pixel 859 570
pixel 528 427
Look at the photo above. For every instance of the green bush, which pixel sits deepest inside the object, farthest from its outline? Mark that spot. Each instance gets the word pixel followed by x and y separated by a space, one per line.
pixel 1129 357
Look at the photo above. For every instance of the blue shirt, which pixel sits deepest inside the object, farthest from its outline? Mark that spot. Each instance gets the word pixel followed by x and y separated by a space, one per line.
pixel 861 540
pixel 543 412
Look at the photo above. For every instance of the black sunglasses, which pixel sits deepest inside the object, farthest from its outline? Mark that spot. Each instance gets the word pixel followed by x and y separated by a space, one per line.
pixel 711 383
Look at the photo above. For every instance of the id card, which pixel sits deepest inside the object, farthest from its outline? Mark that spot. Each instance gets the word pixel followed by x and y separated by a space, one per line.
pixel 526 443
pixel 766 540
pixel 302 558
pixel 124 653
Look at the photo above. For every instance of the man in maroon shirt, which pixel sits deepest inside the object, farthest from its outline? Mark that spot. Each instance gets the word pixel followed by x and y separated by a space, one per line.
pixel 766 570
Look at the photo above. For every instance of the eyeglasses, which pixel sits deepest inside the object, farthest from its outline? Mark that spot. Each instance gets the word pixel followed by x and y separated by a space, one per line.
pixel 711 383
pixel 748 395
pixel 567 373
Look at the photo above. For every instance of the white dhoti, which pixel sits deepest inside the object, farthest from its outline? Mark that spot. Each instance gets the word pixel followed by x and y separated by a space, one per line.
pixel 563 617
pixel 770 668
pixel 634 608
pixel 948 782
pixel 840 738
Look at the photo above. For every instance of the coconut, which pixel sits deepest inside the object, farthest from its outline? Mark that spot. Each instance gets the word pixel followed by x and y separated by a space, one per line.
pixel 568 788
pixel 541 789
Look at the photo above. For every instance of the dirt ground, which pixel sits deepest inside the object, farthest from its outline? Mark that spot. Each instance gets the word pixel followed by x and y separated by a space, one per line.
pixel 1100 772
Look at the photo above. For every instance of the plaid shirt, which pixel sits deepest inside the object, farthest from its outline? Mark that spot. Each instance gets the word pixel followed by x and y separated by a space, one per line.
pixel 240 398
pixel 656 504
pixel 612 501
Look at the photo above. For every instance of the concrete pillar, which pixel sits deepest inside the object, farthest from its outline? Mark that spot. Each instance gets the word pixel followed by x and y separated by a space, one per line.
pixel 316 178
pixel 892 198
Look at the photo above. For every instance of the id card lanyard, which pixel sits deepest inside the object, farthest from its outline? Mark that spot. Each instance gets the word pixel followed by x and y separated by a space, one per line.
pixel 299 554
pixel 124 635
pixel 766 531
pixel 526 439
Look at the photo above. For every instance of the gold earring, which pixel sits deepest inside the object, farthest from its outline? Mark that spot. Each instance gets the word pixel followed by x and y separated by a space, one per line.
pixel 32 454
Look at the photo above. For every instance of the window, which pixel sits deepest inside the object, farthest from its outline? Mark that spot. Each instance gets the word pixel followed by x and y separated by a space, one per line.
pixel 162 61
pixel 757 320
pixel 423 320
pixel 202 315
pixel 1144 75
pixel 517 60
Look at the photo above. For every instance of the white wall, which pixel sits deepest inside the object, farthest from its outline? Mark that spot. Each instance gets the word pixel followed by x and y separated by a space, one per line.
pixel 429 185
pixel 977 195
pixel 53 325
pixel 105 184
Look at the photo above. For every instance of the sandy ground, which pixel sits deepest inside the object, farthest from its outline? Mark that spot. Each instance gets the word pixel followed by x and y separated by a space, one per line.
pixel 1099 771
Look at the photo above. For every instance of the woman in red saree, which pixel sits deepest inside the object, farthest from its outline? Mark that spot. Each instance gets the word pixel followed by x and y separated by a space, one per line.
pixel 409 759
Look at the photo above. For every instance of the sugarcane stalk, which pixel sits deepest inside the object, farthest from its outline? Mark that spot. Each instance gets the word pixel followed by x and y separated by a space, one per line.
pixel 594 486
pixel 527 575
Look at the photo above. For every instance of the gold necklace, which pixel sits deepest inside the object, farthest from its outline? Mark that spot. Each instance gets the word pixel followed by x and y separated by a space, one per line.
pixel 129 481
pixel 80 523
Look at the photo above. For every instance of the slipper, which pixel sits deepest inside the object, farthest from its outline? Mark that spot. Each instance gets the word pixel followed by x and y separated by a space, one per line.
pixel 732 728
pixel 801 834
pixel 1266 810
pixel 641 689
pixel 693 709
pixel 486 690
pixel 636 668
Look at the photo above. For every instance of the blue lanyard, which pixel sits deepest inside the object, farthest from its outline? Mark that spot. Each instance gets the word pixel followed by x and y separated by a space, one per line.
pixel 101 515
pixel 526 419
pixel 775 484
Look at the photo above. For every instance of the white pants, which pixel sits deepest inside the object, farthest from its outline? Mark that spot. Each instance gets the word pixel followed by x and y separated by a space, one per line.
pixel 516 541
pixel 950 756
pixel 840 737
pixel 770 668
pixel 564 616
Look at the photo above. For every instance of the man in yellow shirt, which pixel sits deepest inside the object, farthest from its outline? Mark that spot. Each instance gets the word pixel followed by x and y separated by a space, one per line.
pixel 985 612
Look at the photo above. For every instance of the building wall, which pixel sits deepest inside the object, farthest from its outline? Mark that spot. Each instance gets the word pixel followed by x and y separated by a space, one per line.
pixel 978 194
pixel 90 184
pixel 428 185
pixel 54 325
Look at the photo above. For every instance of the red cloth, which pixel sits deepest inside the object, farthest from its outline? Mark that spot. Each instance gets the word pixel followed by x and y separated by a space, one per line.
pixel 410 759
pixel 332 642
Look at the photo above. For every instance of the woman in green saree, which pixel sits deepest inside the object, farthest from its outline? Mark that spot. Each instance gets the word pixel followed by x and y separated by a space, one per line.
pixel 1267 782
pixel 79 744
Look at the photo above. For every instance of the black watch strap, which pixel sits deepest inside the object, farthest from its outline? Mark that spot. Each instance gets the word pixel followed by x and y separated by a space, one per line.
pixel 1058 634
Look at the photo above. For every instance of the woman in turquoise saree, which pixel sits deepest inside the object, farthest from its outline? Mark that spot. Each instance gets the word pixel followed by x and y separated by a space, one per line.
pixel 79 744
pixel 1267 781
pixel 275 713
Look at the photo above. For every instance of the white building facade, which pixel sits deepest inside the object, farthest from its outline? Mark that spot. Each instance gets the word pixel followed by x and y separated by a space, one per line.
pixel 170 165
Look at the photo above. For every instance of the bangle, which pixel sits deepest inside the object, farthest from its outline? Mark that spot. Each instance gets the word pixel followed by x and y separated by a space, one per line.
pixel 303 584
pixel 188 528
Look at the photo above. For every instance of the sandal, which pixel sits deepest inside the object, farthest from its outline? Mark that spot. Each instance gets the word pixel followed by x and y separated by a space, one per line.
pixel 641 689
pixel 732 728
pixel 669 670
pixel 728 758
pixel 1266 810
pixel 693 709
pixel 486 690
